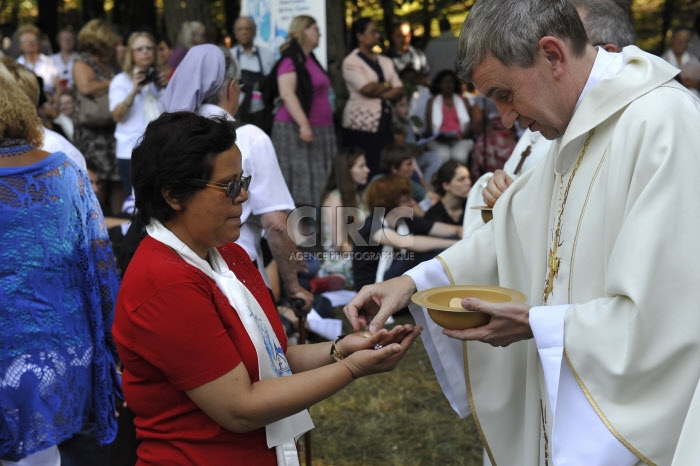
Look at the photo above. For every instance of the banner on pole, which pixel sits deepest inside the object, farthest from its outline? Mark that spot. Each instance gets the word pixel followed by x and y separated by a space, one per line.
pixel 273 17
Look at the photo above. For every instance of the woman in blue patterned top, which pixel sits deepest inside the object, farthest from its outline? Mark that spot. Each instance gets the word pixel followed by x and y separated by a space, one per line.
pixel 58 286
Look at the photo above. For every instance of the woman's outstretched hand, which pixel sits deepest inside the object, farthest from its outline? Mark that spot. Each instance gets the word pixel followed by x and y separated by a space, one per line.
pixel 387 349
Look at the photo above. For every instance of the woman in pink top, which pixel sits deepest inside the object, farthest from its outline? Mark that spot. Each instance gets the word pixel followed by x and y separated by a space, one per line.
pixel 302 132
pixel 447 114
pixel 372 82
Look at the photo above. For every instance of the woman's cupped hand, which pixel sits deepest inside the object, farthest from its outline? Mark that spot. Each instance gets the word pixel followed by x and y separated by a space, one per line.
pixel 368 353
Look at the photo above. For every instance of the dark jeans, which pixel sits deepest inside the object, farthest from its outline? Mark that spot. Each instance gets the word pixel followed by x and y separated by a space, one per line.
pixel 124 167
pixel 83 449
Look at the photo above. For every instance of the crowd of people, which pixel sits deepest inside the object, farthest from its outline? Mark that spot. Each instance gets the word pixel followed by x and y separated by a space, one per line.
pixel 146 191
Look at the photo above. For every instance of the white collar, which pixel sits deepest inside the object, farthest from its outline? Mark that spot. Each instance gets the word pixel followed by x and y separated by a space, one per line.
pixel 606 66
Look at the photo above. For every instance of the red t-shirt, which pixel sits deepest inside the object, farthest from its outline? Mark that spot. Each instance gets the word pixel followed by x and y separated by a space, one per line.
pixel 175 330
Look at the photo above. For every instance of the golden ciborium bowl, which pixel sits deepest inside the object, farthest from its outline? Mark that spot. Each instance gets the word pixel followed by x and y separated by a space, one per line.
pixel 444 303
pixel 486 212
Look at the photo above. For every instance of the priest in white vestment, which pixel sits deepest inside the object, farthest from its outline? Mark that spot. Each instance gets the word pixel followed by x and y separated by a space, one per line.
pixel 602 364
pixel 607 26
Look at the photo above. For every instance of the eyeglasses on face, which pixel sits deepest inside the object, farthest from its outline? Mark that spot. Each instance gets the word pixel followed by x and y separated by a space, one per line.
pixel 233 188
pixel 144 48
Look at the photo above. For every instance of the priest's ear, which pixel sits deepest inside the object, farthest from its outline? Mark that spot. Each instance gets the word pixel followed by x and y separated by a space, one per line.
pixel 556 53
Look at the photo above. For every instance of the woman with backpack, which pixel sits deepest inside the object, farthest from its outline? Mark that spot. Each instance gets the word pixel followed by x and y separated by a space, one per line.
pixel 302 132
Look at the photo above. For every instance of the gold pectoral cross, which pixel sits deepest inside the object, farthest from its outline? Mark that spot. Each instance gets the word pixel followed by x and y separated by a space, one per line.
pixel 553 266
pixel 553 261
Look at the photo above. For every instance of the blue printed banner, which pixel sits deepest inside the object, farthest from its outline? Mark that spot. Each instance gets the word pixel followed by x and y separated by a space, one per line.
pixel 272 18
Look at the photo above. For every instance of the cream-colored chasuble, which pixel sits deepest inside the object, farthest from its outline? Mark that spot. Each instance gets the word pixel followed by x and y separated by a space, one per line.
pixel 629 264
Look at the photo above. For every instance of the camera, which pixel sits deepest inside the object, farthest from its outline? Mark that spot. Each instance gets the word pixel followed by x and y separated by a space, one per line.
pixel 150 75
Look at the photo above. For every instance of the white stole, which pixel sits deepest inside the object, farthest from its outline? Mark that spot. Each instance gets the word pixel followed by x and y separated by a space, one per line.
pixel 271 359
pixel 150 105
pixel 462 114
pixel 387 255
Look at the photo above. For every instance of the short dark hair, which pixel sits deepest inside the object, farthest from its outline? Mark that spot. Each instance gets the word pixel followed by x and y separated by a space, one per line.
pixel 393 155
pixel 435 85
pixel 176 146
pixel 166 40
pixel 359 26
pixel 444 175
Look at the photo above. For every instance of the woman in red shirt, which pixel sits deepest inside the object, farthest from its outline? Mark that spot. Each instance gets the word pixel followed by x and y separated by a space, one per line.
pixel 207 370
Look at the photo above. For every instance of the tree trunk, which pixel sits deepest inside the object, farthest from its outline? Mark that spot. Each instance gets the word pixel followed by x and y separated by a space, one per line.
pixel 176 12
pixel 133 15
pixel 48 19
pixel 666 24
pixel 92 9
pixel 232 9
pixel 428 13
pixel 388 7
pixel 335 40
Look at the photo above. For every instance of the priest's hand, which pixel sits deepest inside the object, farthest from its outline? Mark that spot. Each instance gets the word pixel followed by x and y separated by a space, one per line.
pixel 509 323
pixel 378 302
pixel 496 186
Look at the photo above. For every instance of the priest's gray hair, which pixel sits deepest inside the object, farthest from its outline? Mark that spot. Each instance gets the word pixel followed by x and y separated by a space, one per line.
pixel 233 72
pixel 511 29
pixel 606 22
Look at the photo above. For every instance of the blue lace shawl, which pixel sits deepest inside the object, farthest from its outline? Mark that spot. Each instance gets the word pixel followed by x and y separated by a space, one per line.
pixel 58 288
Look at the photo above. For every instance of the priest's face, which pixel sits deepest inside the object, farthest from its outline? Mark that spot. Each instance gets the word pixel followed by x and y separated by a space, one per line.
pixel 528 95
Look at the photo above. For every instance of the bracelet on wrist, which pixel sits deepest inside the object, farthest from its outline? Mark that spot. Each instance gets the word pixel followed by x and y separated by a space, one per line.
pixel 337 355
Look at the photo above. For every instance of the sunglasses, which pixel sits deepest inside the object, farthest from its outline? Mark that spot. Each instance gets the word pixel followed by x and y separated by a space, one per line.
pixel 233 188
pixel 146 48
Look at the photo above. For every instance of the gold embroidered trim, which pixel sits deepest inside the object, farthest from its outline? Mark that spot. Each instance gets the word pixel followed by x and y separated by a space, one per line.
pixel 447 269
pixel 580 220
pixel 471 404
pixel 543 413
pixel 553 260
pixel 602 416
pixel 467 382
pixel 566 356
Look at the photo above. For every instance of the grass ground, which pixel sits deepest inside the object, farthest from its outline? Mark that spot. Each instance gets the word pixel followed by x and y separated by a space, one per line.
pixel 400 418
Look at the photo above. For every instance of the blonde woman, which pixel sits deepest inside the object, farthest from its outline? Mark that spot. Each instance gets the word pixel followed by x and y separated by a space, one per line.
pixel 134 98
pixel 302 132
pixel 92 73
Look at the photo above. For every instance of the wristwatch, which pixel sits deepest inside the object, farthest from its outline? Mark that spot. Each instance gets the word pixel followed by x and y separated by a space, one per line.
pixel 337 355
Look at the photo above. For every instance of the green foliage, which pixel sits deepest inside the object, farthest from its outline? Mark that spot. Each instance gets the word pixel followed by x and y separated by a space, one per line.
pixel 647 16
